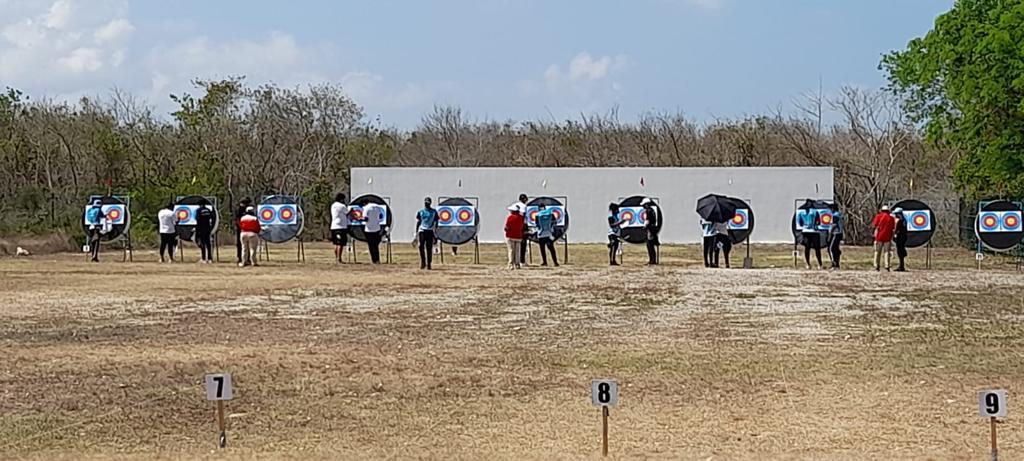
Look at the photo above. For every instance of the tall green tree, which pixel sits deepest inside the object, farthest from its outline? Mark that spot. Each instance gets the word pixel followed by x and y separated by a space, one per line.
pixel 964 81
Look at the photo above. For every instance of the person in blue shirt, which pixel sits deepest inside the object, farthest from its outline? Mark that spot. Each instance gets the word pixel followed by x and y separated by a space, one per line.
pixel 95 219
pixel 426 224
pixel 546 234
pixel 809 222
pixel 836 236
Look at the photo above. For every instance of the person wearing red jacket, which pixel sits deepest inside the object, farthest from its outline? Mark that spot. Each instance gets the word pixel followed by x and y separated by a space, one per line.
pixel 885 226
pixel 249 227
pixel 514 234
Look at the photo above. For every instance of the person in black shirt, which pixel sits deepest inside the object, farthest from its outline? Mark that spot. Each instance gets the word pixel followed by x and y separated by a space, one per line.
pixel 653 227
pixel 526 230
pixel 204 232
pixel 239 212
pixel 900 238
pixel 614 233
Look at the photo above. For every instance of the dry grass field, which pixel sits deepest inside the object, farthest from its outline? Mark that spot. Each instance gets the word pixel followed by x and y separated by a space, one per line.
pixel 105 361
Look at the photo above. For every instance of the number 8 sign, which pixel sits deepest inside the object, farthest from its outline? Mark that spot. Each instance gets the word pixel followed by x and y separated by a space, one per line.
pixel 992 404
pixel 604 392
pixel 218 387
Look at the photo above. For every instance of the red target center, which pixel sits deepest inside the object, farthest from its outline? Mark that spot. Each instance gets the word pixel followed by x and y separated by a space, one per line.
pixel 268 215
pixel 919 220
pixel 286 214
pixel 826 219
pixel 1011 221
pixel 183 215
pixel 990 221
pixel 464 215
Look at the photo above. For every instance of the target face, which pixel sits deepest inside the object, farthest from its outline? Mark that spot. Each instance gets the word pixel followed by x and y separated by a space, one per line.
pixel 449 215
pixel 117 218
pixel 186 214
pixel 825 218
pixel 356 226
pixel 999 225
pixel 445 216
pixel 634 228
pixel 635 216
pixel 741 221
pixel 918 220
pixel 628 216
pixel 115 214
pixel 357 215
pixel 557 210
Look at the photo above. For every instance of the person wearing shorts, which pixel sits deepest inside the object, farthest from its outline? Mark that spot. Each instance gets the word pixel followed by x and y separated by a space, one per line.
pixel 339 226
pixel 167 220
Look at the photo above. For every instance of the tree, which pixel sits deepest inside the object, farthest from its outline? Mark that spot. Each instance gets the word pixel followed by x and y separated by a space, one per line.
pixel 965 82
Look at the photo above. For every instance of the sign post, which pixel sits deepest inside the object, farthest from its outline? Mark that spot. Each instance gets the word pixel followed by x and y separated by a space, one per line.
pixel 604 393
pixel 992 405
pixel 218 389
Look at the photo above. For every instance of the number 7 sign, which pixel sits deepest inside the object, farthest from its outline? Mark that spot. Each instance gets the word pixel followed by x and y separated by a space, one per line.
pixel 218 387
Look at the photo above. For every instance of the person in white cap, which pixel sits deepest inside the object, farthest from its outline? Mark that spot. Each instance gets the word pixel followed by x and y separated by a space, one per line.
pixel 514 235
pixel 250 227
pixel 885 227
pixel 900 238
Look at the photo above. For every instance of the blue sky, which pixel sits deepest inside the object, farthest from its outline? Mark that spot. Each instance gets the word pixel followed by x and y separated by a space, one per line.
pixel 498 59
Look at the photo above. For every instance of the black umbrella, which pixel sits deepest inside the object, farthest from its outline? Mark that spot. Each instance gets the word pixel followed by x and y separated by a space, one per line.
pixel 717 208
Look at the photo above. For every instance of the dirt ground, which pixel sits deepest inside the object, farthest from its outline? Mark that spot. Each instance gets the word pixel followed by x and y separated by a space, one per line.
pixel 106 361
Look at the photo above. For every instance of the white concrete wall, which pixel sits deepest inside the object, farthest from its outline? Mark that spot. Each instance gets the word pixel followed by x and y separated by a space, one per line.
pixel 770 192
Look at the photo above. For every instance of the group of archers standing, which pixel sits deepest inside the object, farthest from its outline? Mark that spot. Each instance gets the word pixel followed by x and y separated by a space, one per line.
pixel 889 226
pixel 517 231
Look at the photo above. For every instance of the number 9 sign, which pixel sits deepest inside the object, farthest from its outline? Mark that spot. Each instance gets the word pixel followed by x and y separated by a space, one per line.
pixel 604 392
pixel 992 404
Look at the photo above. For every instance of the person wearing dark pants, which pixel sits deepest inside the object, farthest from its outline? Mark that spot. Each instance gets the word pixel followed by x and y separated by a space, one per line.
pixel 546 234
pixel 426 225
pixel 167 221
pixel 239 212
pixel 653 227
pixel 204 233
pixel 614 233
pixel 374 230
pixel 835 240
pixel 723 242
pixel 900 238
pixel 95 218
pixel 809 222
pixel 708 232
pixel 526 229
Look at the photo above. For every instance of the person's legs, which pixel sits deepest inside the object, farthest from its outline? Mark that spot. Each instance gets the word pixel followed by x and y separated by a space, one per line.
pixel 519 244
pixel 94 244
pixel 726 244
pixel 613 250
pixel 652 249
pixel 807 249
pixel 543 243
pixel 513 253
pixel 878 256
pixel 522 251
pixel 709 243
pixel 901 252
pixel 424 249
pixel 373 242
pixel 238 245
pixel 431 240
pixel 888 255
pixel 554 254
pixel 833 249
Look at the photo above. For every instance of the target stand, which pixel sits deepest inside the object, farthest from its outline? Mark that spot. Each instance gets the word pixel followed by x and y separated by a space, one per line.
pixel 358 232
pixel 999 228
pixel 825 216
pixel 740 228
pixel 560 205
pixel 282 219
pixel 458 223
pixel 185 207
pixel 117 209
pixel 634 229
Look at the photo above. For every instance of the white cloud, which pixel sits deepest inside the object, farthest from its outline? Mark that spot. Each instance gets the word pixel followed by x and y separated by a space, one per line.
pixel 82 60
pixel 587 83
pixel 583 68
pixel 59 14
pixel 115 31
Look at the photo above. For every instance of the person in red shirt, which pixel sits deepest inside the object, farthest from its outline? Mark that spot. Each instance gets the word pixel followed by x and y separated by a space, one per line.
pixel 885 226
pixel 249 227
pixel 514 225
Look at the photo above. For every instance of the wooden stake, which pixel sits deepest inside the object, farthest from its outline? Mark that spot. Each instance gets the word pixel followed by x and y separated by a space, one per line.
pixel 995 446
pixel 223 442
pixel 604 431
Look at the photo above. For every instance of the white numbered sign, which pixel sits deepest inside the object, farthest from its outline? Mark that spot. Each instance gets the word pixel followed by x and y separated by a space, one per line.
pixel 992 404
pixel 218 386
pixel 604 392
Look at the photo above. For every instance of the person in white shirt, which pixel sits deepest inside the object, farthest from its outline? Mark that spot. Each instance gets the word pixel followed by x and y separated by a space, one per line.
pixel 166 220
pixel 373 230
pixel 339 225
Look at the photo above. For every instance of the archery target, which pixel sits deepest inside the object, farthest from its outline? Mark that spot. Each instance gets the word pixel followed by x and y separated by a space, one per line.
pixel 741 225
pixel 356 226
pixel 819 206
pixel 633 230
pixel 281 218
pixel 115 208
pixel 999 225
pixel 920 222
pixel 557 209
pixel 457 221
pixel 185 210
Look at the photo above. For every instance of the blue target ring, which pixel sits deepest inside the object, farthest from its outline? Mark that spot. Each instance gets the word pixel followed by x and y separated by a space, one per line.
pixel 1011 221
pixel 988 221
pixel 465 215
pixel 287 214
